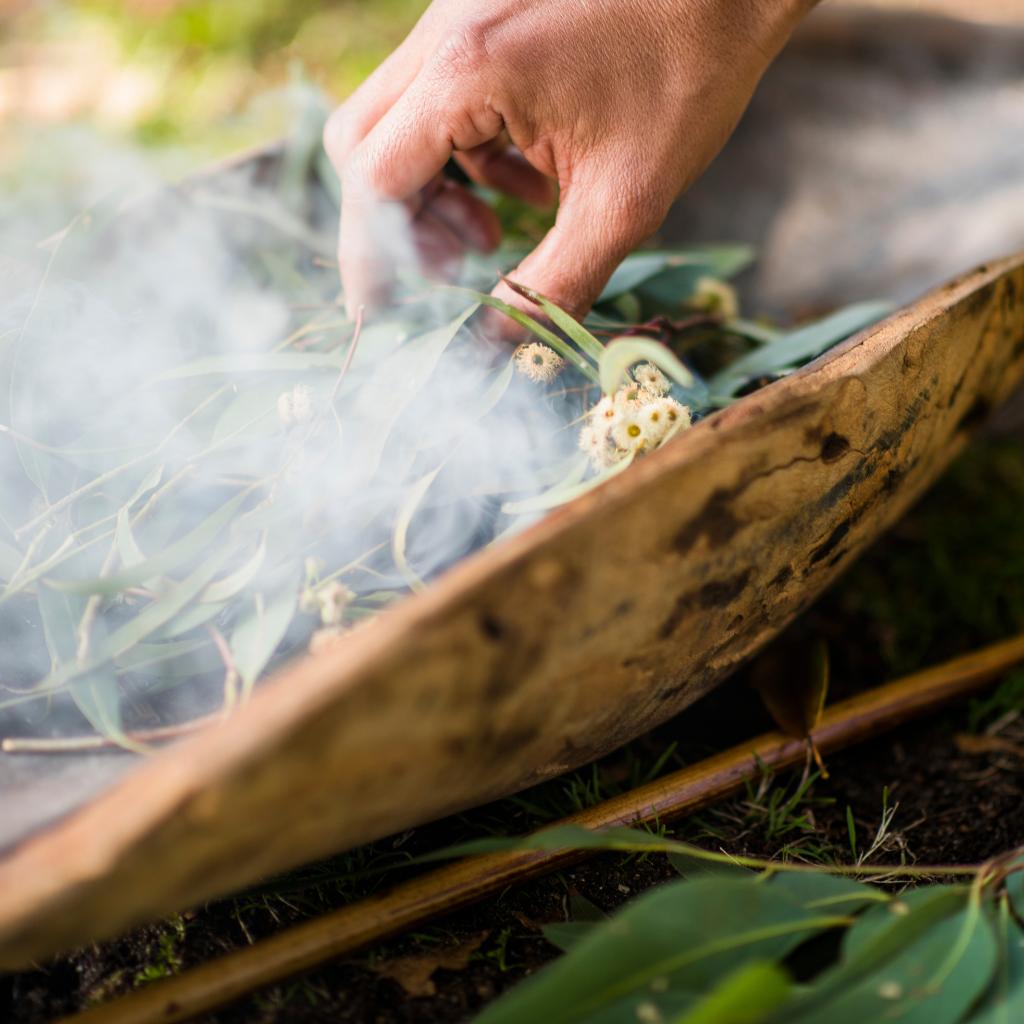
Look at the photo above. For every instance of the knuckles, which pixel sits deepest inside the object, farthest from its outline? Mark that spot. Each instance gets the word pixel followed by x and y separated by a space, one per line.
pixel 466 49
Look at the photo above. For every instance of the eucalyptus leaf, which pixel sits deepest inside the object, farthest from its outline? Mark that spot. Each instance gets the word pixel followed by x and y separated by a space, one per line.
pixel 798 346
pixel 1004 1001
pixel 688 934
pixel 262 628
pixel 639 268
pixel 168 559
pixel 924 964
pixel 747 995
pixel 624 353
pixel 565 491
pixel 585 341
pixel 400 535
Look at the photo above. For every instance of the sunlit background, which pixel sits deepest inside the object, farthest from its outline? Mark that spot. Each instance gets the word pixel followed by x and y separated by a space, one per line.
pixel 192 80
pixel 204 78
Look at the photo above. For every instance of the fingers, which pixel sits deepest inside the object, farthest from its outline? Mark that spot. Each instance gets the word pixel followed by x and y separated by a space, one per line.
pixel 404 152
pixel 352 121
pixel 499 165
pixel 594 231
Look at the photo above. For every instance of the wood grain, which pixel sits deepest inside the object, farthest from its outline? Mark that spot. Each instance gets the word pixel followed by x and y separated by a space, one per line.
pixel 550 649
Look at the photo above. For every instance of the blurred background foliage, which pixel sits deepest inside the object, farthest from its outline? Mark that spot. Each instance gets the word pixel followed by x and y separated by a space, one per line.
pixel 199 78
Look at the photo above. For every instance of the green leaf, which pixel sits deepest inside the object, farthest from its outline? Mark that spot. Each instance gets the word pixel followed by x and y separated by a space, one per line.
pixel 566 351
pixel 170 557
pixel 95 693
pixel 400 536
pixel 744 996
pixel 697 867
pixel 566 935
pixel 798 346
pixel 816 890
pixel 585 341
pixel 403 376
pixel 560 494
pixel 927 966
pixel 1004 1002
pixel 224 589
pixel 721 261
pixel 621 354
pixel 189 619
pixel 262 628
pixel 683 935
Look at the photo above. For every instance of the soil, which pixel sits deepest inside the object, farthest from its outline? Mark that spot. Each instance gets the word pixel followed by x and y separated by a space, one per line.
pixel 949 578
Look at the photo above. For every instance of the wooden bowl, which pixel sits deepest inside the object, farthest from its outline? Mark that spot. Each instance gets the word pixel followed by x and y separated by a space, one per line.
pixel 548 650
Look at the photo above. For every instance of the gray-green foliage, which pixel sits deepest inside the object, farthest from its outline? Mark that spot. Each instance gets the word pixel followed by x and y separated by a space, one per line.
pixel 178 487
pixel 716 947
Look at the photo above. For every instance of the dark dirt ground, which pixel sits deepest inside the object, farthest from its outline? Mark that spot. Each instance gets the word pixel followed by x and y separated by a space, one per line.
pixel 949 578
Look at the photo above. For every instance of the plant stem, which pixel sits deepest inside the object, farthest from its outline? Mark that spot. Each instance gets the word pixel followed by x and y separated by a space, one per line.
pixel 83 744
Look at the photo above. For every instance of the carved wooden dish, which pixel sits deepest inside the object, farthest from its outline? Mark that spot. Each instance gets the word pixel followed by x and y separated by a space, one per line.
pixel 548 650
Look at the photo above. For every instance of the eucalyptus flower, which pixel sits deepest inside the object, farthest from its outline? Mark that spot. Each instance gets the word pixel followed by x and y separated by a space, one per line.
pixel 538 362
pixel 651 379
pixel 716 297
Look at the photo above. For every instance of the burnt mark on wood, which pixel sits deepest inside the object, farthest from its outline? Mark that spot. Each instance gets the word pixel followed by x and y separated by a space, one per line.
pixel 714 595
pixel 714 521
pixel 674 617
pixel 492 627
pixel 719 593
pixel 837 558
pixel 834 447
pixel 822 552
pixel 889 439
pixel 893 479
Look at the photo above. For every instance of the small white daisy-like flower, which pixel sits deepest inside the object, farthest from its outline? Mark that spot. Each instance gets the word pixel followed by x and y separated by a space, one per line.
pixel 538 362
pixel 677 414
pixel 629 396
pixel 716 297
pixel 651 379
pixel 594 441
pixel 629 433
pixel 302 403
pixel 604 412
pixel 654 419
pixel 333 598
pixel 295 406
pixel 285 412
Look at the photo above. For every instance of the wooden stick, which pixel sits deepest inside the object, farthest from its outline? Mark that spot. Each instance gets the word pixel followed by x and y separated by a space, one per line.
pixel 80 744
pixel 465 882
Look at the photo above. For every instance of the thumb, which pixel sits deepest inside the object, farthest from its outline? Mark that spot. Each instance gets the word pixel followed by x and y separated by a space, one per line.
pixel 595 229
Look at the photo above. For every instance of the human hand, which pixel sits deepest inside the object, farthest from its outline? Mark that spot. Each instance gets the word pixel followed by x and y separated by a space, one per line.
pixel 622 103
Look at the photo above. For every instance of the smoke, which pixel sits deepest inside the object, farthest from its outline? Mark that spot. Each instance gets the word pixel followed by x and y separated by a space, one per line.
pixel 188 418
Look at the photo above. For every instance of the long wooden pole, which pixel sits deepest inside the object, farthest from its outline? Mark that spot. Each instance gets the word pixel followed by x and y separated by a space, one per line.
pixel 458 885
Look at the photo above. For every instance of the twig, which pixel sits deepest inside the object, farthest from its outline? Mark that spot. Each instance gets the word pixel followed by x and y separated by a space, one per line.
pixel 458 885
pixel 81 744
pixel 230 669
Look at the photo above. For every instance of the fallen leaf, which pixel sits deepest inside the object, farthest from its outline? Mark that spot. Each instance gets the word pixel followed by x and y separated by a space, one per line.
pixel 793 683
pixel 415 973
